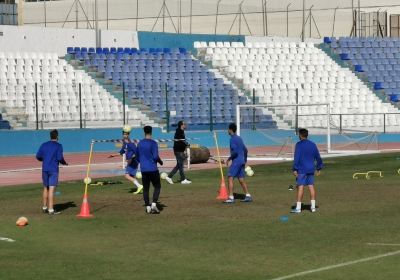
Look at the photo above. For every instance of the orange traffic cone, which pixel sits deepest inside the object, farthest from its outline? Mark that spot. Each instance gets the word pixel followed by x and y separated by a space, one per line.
pixel 223 192
pixel 85 212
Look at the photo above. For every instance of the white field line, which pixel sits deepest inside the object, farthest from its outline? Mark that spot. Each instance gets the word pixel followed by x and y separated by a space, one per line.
pixel 329 267
pixel 382 244
pixel 6 239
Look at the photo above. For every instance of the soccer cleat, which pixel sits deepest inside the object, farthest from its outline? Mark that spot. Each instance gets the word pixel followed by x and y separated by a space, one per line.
pixel 169 180
pixel 296 211
pixel 45 210
pixel 186 182
pixel 229 201
pixel 247 199
pixel 139 189
pixel 154 210
pixel 54 212
pixel 291 188
pixel 313 209
pixel 148 210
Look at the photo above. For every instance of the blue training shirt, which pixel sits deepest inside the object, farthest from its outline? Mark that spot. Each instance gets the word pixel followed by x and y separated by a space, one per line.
pixel 124 147
pixel 131 155
pixel 238 150
pixel 305 155
pixel 147 155
pixel 50 154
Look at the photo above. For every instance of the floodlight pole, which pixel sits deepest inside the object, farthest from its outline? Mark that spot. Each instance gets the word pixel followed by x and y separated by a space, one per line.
pixel 287 19
pixel 216 17
pixel 304 17
pixel 266 18
pixel 311 20
pixel 334 21
pixel 137 14
pixel 76 15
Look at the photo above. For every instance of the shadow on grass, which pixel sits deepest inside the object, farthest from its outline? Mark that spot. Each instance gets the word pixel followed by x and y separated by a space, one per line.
pixel 64 206
pixel 304 207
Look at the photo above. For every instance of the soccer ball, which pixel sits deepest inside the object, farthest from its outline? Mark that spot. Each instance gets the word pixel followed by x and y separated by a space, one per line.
pixel 87 180
pixel 138 175
pixel 247 168
pixel 164 175
pixel 22 221
pixel 126 128
pixel 250 172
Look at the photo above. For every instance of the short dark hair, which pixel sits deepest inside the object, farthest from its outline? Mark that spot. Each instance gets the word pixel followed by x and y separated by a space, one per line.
pixel 148 129
pixel 54 134
pixel 303 132
pixel 233 127
pixel 180 123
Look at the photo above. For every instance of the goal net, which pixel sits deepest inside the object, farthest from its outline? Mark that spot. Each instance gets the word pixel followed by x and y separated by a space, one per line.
pixel 272 128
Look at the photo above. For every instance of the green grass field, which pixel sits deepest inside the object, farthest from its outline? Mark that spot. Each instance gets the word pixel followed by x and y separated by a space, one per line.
pixel 198 237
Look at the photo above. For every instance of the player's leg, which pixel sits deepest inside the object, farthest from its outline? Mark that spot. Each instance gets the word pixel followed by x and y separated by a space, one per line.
pixel 312 197
pixel 45 195
pixel 232 172
pixel 173 171
pixel 301 181
pixel 300 192
pixel 310 184
pixel 243 184
pixel 146 187
pixel 181 165
pixel 130 174
pixel 155 180
pixel 53 182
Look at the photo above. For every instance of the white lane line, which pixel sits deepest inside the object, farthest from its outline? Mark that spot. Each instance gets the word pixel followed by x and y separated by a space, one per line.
pixel 338 265
pixel 6 239
pixel 383 244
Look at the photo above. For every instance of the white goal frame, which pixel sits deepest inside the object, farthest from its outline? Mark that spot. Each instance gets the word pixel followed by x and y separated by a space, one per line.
pixel 266 105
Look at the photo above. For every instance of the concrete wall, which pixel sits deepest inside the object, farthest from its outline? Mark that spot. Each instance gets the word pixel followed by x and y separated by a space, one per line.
pixel 122 16
pixel 119 38
pixel 36 39
pixel 39 39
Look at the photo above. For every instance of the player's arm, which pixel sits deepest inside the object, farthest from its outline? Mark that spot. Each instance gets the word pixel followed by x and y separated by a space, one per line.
pixel 60 156
pixel 234 152
pixel 318 158
pixel 156 157
pixel 121 152
pixel 39 154
pixel 296 160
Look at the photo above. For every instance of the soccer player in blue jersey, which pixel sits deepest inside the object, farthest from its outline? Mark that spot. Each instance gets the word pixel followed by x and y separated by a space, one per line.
pixel 129 150
pixel 305 156
pixel 51 155
pixel 236 169
pixel 148 157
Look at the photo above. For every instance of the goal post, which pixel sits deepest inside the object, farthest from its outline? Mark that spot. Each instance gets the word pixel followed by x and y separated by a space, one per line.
pixel 292 116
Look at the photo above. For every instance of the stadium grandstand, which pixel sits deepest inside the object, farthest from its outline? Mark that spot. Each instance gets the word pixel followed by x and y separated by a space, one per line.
pixel 92 64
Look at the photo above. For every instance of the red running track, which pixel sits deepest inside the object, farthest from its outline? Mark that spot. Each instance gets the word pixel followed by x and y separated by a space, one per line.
pixel 26 169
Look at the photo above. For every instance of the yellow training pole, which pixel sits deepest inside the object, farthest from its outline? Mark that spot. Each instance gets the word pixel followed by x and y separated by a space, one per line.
pixel 88 167
pixel 219 157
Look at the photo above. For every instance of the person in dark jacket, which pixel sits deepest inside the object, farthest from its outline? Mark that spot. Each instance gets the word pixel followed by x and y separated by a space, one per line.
pixel 180 146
